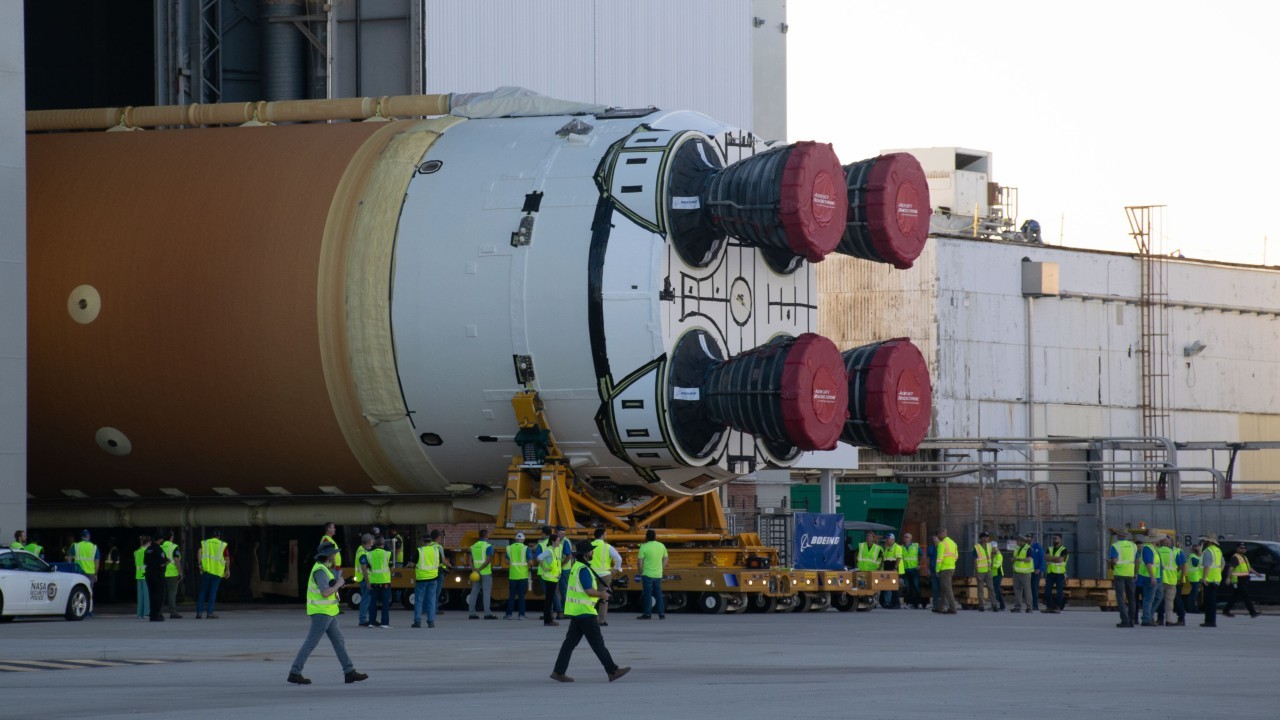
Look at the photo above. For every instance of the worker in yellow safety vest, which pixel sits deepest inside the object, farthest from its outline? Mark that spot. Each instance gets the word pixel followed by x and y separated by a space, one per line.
pixel 1023 566
pixel 1055 569
pixel 909 572
pixel 982 571
pixel 481 588
pixel 580 611
pixel 172 574
pixel 323 586
pixel 426 574
pixel 361 575
pixel 1171 571
pixel 215 566
pixel 379 583
pixel 1241 576
pixel 330 533
pixel 140 577
pixel 85 555
pixel 948 554
pixel 518 561
pixel 19 540
pixel 549 554
pixel 1121 558
pixel 605 562
pixel 1212 562
pixel 870 554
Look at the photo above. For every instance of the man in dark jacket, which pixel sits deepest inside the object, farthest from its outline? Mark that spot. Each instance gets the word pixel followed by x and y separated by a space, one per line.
pixel 155 561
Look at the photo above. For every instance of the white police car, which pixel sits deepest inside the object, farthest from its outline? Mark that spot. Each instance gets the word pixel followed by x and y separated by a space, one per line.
pixel 31 586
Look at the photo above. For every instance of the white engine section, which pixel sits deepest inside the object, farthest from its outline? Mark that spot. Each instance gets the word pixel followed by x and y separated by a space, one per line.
pixel 546 240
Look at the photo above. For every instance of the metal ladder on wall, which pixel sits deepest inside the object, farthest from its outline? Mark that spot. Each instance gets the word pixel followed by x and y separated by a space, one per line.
pixel 1153 349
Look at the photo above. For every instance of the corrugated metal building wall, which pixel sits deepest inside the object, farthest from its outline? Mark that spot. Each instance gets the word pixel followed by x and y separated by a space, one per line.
pixel 963 305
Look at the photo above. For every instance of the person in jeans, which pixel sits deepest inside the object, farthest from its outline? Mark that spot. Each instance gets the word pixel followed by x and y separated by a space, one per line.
pixel 379 583
pixel 215 564
pixel 362 576
pixel 550 555
pixel 322 608
pixel 653 565
pixel 518 562
pixel 910 572
pixel 140 574
pixel 1193 574
pixel 934 589
pixel 1121 558
pixel 481 589
pixel 426 573
pixel 1037 573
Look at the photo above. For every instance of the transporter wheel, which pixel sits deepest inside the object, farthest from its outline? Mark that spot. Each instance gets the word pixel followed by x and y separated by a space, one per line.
pixel 864 604
pixel 842 601
pixel 760 603
pixel 711 603
pixel 786 604
pixel 735 603
pixel 620 600
pixel 408 599
pixel 676 601
pixel 77 604
pixel 353 599
pixel 819 601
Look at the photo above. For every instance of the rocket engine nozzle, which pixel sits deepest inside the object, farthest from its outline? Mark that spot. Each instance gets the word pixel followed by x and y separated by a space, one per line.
pixel 790 392
pixel 889 210
pixel 788 201
pixel 890 397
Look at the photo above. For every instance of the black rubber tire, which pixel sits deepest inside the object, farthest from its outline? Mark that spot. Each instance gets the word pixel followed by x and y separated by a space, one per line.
pixel 676 601
pixel 761 603
pixel 864 604
pixel 711 603
pixel 77 604
pixel 842 601
pixel 621 600
pixel 4 618
pixel 407 599
pixel 353 599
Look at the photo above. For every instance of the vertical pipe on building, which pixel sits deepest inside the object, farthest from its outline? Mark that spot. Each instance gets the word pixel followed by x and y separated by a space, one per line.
pixel 827 482
pixel 283 51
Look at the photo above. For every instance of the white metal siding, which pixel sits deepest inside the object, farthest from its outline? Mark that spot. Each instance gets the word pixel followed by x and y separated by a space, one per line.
pixel 13 272
pixel 670 53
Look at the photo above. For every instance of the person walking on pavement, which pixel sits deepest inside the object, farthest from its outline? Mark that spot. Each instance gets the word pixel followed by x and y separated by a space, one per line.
pixel 549 555
pixel 1241 575
pixel 605 563
pixel 140 577
pixel 948 553
pixel 909 570
pixel 1121 559
pixel 982 572
pixel 518 561
pixel 1212 562
pixel 580 609
pixel 653 567
pixel 482 563
pixel 361 575
pixel 172 574
pixel 426 573
pixel 155 561
pixel 1023 568
pixel 215 566
pixel 1055 568
pixel 380 583
pixel 322 609
pixel 85 555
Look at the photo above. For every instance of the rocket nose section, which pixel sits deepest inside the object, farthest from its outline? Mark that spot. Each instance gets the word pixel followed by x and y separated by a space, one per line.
pixel 890 397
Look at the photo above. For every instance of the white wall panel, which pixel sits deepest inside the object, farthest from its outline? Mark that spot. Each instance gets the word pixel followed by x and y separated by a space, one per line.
pixel 13 272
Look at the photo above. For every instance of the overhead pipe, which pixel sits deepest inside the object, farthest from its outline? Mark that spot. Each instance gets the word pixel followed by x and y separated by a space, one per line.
pixel 239 113
pixel 283 513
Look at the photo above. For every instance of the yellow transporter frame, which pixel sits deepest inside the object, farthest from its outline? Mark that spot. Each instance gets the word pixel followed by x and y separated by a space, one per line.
pixel 709 567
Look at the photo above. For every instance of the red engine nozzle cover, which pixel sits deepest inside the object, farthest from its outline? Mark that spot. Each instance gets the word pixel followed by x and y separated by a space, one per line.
pixel 815 395
pixel 890 396
pixel 889 210
pixel 814 205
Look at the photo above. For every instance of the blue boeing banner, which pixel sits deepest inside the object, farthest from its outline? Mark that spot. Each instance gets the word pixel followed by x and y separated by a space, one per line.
pixel 818 541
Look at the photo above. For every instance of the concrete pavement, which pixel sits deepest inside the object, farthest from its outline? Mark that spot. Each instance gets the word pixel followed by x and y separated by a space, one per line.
pixel 881 664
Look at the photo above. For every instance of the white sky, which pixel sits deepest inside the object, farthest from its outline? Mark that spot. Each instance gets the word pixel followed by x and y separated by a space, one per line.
pixel 1086 107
